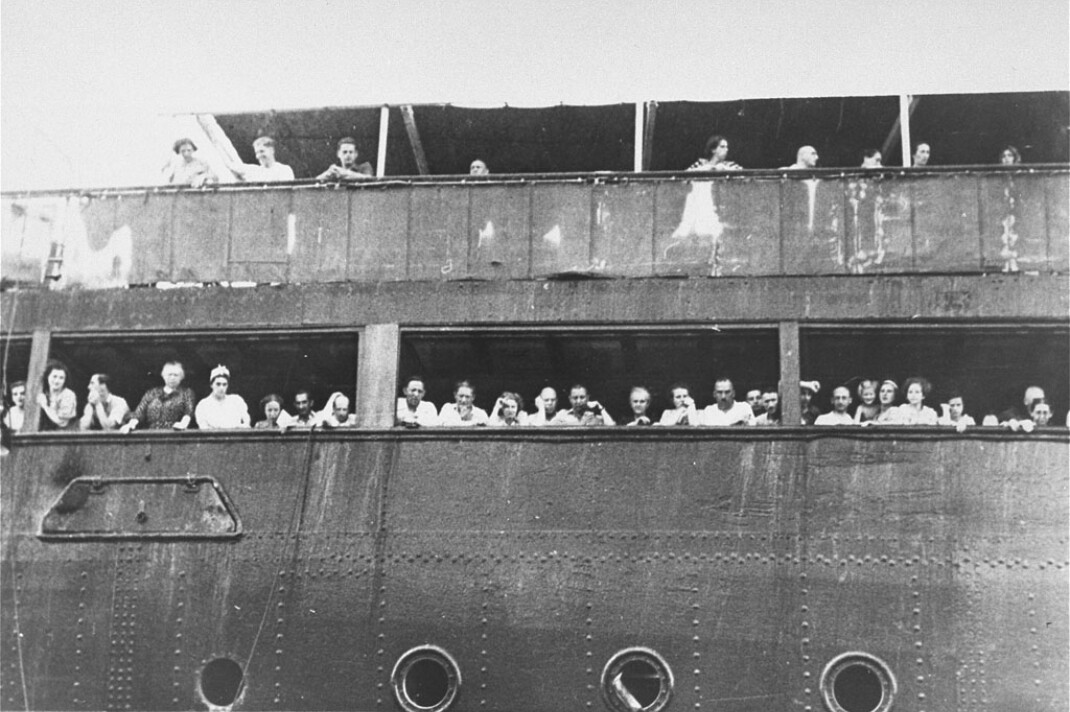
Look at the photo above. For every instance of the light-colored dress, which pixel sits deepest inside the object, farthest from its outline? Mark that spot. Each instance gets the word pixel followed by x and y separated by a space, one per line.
pixel 218 414
pixel 909 415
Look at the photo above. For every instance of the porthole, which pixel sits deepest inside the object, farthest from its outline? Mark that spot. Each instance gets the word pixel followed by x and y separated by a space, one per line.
pixel 221 682
pixel 857 682
pixel 636 680
pixel 426 679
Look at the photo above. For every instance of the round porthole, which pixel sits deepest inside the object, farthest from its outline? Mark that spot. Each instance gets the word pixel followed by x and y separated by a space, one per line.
pixel 426 679
pixel 636 680
pixel 221 682
pixel 857 682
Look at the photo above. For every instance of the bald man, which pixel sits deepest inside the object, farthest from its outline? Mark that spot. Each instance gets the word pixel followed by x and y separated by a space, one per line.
pixel 841 401
pixel 806 157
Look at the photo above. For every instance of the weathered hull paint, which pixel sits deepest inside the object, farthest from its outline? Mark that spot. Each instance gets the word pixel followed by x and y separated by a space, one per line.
pixel 748 560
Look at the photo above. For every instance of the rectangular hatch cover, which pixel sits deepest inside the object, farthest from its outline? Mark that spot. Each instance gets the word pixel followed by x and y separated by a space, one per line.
pixel 140 508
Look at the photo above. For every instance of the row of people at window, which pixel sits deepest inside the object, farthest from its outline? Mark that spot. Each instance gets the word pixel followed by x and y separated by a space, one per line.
pixel 186 169
pixel 174 406
pixel 878 404
pixel 171 406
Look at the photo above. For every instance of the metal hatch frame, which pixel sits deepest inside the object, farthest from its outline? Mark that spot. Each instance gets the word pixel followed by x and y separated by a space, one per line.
pixel 189 481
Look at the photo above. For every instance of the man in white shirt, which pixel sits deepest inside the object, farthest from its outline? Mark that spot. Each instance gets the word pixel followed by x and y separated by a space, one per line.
pixel 841 401
pixel 269 170
pixel 726 411
pixel 583 412
pixel 413 411
pixel 545 407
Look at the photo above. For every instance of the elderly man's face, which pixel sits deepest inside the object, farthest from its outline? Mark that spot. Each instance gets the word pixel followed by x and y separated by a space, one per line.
pixel 841 399
pixel 347 155
pixel 724 394
pixel 549 399
pixel 1041 413
pixel 478 168
pixel 341 408
pixel 639 400
pixel 414 393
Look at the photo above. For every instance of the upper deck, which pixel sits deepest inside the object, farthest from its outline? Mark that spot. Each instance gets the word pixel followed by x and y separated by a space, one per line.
pixel 966 220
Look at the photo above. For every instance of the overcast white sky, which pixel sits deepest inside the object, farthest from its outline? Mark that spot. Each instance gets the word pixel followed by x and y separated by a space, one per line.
pixel 84 83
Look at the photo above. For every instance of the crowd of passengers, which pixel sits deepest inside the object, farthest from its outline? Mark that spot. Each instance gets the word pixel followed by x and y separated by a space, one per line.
pixel 174 406
pixel 186 169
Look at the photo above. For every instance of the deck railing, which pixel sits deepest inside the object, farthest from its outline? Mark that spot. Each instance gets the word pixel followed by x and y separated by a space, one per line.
pixel 746 224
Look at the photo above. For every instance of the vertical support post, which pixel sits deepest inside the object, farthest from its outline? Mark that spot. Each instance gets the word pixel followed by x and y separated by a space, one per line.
pixel 637 162
pixel 790 408
pixel 384 124
pixel 904 127
pixel 35 374
pixel 377 375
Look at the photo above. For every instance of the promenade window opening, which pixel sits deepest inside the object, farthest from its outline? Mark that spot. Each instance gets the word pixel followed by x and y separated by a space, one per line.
pixel 989 366
pixel 608 363
pixel 260 363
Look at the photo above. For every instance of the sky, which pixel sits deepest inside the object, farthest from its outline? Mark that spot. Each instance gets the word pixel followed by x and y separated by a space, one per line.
pixel 89 88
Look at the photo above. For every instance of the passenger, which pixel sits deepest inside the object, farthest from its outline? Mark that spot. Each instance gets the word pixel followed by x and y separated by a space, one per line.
pixel 221 410
pixel 187 169
pixel 805 157
pixel 683 407
pixel 841 401
pixel 15 414
pixel 508 411
pixel 462 413
pixel 271 407
pixel 170 406
pixel 954 413
pixel 807 391
pixel 921 155
pixel 887 414
pixel 871 158
pixel 1040 413
pixel 639 400
pixel 304 418
pixel 717 157
pixel 726 411
pixel 868 409
pixel 545 407
pixel 583 412
pixel 104 410
pixel 1017 418
pixel 478 168
pixel 412 410
pixel 771 404
pixel 754 400
pixel 1009 156
pixel 59 405
pixel 336 413
pixel 269 170
pixel 347 168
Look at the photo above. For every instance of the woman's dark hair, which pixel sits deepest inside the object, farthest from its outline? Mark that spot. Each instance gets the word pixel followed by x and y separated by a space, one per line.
pixel 182 142
pixel 1014 152
pixel 926 387
pixel 54 365
pixel 713 142
pixel 269 398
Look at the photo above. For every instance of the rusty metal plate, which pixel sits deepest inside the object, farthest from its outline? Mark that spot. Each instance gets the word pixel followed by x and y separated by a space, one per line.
pixel 946 224
pixel 200 236
pixel 622 232
pixel 1058 218
pixel 147 218
pixel 812 218
pixel 1014 222
pixel 321 244
pixel 499 232
pixel 561 229
pixel 750 217
pixel 438 233
pixel 27 240
pixel 260 236
pixel 379 233
pixel 193 507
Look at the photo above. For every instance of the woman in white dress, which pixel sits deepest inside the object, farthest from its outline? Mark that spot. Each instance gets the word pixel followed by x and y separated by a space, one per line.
pixel 221 410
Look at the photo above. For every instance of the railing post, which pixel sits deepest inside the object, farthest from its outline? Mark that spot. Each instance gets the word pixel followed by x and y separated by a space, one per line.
pixel 377 375
pixel 790 408
pixel 35 375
